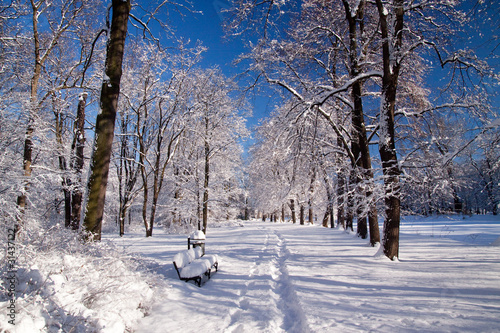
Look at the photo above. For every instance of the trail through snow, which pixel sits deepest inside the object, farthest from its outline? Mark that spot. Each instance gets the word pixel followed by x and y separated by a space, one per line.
pixel 280 277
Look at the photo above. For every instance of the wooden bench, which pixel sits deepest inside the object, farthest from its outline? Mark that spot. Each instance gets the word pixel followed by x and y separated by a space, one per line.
pixel 192 265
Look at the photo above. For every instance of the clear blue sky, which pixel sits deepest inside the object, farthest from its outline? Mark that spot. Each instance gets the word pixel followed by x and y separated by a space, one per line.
pixel 206 26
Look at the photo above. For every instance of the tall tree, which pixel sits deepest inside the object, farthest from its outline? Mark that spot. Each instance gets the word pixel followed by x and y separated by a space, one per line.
pixel 392 39
pixel 77 162
pixel 105 121
pixel 308 62
pixel 220 126
pixel 51 23
pixel 359 141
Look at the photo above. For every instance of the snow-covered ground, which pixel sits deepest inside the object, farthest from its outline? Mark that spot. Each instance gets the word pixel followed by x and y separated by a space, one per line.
pixel 273 277
pixel 280 277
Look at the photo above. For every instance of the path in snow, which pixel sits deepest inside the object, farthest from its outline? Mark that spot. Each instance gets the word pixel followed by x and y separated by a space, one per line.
pixel 252 292
pixel 291 278
pixel 268 298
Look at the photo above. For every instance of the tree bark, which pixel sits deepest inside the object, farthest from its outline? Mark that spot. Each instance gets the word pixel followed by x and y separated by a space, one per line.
pixel 128 170
pixel 329 205
pixel 33 105
pixel 144 175
pixel 292 209
pixel 311 215
pixel 205 186
pixel 63 165
pixel 359 143
pixel 391 45
pixel 105 122
pixel 349 216
pixel 341 182
pixel 77 164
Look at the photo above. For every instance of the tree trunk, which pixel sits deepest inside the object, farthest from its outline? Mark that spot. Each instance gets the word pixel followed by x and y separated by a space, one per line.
pixel 78 160
pixel 326 217
pixel 145 186
pixel 67 206
pixel 341 200
pixel 359 143
pixel 341 181
pixel 121 219
pixel 362 230
pixel 311 217
pixel 105 121
pixel 30 128
pixel 349 216
pixel 205 186
pixel 391 45
pixel 156 192
pixel 63 165
pixel 292 209
pixel 302 219
pixel 329 196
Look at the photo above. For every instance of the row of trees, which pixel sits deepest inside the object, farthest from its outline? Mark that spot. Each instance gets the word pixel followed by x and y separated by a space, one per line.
pixel 179 132
pixel 166 139
pixel 352 75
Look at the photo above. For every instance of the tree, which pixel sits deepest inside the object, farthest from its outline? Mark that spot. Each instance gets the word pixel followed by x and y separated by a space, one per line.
pixel 392 39
pixel 383 45
pixel 105 121
pixel 308 62
pixel 219 127
pixel 11 93
pixel 77 162
pixel 52 30
pixel 407 32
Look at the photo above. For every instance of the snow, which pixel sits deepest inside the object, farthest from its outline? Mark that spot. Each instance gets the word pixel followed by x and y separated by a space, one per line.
pixel 66 286
pixel 198 234
pixel 272 277
pixel 195 268
pixel 198 252
pixel 385 12
pixel 83 96
pixel 184 258
pixel 280 277
pixel 211 258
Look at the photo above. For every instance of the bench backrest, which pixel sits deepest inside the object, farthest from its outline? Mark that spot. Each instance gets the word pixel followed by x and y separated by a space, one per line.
pixel 184 258
pixel 198 252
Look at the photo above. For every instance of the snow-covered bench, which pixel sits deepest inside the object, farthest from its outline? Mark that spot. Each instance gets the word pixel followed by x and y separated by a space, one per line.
pixel 192 265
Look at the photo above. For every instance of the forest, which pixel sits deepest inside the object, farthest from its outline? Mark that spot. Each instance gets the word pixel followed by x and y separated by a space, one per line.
pixel 110 120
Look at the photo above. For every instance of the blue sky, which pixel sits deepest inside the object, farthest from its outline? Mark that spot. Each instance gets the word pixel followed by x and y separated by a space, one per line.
pixel 205 25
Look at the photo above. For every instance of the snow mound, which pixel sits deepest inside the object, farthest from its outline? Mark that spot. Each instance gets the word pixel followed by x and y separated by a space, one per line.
pixel 198 234
pixel 183 258
pixel 66 286
pixel 196 268
pixel 198 252
pixel 212 258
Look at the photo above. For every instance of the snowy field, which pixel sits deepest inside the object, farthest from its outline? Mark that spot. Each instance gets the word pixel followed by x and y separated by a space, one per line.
pixel 276 277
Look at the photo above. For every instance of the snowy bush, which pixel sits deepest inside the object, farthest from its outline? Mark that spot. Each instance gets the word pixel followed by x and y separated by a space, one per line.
pixel 64 285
